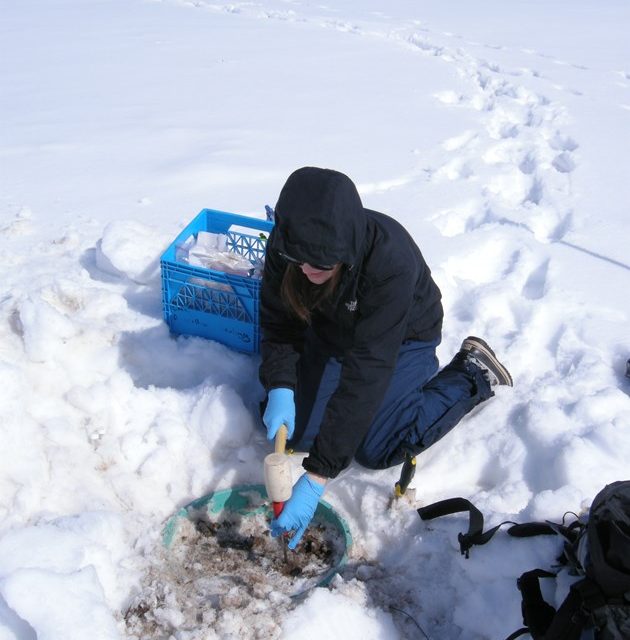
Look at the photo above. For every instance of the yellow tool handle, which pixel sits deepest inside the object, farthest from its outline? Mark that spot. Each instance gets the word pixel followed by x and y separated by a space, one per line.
pixel 407 473
pixel 281 439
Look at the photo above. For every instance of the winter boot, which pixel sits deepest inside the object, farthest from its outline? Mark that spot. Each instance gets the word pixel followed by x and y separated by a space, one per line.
pixel 480 354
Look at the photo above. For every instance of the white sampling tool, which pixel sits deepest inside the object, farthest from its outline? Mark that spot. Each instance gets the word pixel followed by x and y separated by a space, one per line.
pixel 278 473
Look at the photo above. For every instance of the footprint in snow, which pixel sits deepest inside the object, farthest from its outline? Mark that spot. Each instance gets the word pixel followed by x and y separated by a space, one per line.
pixel 456 169
pixel 421 43
pixel 563 143
pixel 536 284
pixel 528 164
pixel 450 97
pixel 21 225
pixel 459 142
pixel 563 162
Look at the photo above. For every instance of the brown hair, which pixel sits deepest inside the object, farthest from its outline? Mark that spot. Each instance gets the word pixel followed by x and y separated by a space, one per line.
pixel 303 297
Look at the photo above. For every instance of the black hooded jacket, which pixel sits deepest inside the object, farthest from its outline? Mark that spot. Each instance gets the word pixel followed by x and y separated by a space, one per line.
pixel 386 296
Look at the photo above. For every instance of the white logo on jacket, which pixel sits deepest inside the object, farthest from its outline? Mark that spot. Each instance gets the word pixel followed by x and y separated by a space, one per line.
pixel 351 306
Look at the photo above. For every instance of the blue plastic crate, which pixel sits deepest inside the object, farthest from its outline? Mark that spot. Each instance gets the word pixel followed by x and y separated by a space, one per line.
pixel 213 304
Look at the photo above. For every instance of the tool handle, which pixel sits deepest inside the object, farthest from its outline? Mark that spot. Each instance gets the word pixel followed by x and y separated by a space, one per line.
pixel 407 473
pixel 281 439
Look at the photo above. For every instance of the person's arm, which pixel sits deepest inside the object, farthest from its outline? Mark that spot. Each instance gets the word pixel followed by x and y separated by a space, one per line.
pixel 317 478
pixel 366 373
pixel 282 333
pixel 299 509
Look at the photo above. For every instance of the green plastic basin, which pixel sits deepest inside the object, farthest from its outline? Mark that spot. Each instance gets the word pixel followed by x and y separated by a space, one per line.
pixel 249 500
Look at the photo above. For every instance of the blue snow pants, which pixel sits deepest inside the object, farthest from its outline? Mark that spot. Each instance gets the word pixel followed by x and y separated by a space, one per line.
pixel 421 405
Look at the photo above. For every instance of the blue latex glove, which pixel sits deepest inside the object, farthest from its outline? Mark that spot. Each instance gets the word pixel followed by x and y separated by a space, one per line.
pixel 280 410
pixel 298 510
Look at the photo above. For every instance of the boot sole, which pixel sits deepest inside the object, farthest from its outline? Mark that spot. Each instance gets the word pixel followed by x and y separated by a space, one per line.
pixel 482 351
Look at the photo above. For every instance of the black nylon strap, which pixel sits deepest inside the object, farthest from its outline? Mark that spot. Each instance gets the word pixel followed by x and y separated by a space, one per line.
pixel 537 614
pixel 475 534
pixel 567 623
pixel 450 506
pixel 528 529
pixel 571 618
pixel 518 633
pixel 547 528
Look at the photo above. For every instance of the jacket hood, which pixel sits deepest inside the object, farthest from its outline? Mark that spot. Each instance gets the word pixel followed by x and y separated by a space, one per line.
pixel 320 218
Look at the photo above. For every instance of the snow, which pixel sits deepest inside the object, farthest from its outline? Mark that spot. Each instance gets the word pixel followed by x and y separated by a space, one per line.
pixel 497 133
pixel 336 616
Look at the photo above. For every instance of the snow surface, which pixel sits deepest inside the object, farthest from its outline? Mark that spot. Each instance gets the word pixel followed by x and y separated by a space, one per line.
pixel 497 132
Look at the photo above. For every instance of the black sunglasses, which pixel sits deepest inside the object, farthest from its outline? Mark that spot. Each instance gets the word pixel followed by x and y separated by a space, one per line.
pixel 299 263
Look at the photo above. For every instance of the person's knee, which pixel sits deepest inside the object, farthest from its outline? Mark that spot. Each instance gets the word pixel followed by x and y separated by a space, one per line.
pixel 369 462
pixel 376 460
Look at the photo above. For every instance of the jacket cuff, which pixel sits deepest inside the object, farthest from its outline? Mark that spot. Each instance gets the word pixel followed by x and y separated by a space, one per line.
pixel 281 384
pixel 312 464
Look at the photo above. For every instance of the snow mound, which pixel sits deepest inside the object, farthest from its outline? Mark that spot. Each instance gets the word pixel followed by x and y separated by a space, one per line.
pixel 132 250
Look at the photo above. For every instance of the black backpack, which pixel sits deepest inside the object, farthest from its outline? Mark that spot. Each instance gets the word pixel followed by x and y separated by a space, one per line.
pixel 598 551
